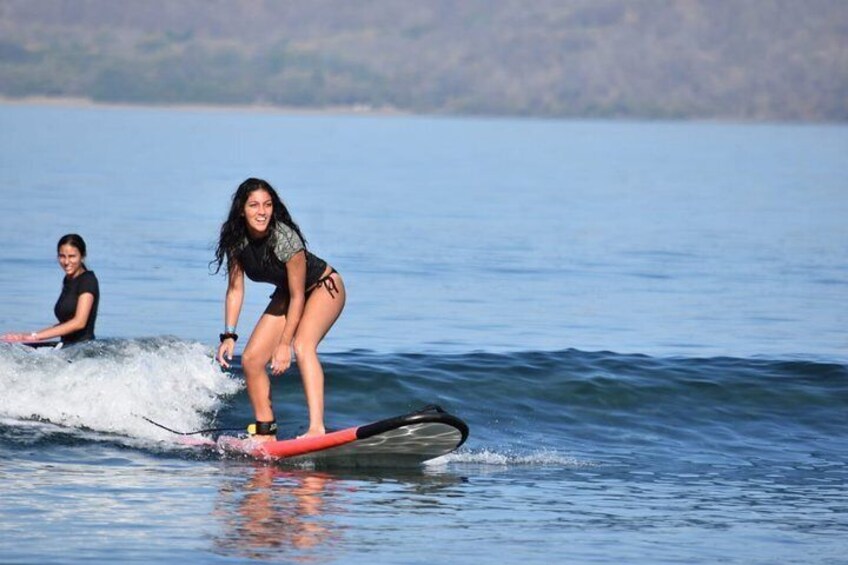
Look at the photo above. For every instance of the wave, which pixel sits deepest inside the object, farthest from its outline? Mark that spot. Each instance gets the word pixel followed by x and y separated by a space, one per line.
pixel 601 405
pixel 105 386
pixel 549 387
pixel 524 407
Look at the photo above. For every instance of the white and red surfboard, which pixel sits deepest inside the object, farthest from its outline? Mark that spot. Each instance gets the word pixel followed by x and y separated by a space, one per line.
pixel 404 440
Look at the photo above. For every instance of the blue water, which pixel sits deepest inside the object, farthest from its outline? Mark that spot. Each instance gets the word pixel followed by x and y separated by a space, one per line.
pixel 642 324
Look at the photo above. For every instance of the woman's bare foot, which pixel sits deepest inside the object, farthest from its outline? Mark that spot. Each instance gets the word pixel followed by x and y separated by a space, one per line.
pixel 317 432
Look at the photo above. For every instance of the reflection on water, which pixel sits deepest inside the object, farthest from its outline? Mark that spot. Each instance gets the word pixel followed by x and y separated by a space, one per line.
pixel 276 512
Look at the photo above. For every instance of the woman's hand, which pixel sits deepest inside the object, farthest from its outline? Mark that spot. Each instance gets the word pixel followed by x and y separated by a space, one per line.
pixel 225 352
pixel 281 360
pixel 15 337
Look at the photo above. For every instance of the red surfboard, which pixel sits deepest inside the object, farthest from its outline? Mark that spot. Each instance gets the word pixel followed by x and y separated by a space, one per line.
pixel 409 439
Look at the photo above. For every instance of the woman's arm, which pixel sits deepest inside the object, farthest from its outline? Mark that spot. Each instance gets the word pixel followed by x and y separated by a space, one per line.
pixel 232 308
pixel 85 303
pixel 296 274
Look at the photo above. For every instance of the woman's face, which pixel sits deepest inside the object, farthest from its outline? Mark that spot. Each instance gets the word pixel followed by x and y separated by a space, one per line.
pixel 258 211
pixel 70 259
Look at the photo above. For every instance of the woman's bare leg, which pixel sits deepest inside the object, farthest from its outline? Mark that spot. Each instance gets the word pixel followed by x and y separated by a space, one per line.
pixel 265 337
pixel 320 313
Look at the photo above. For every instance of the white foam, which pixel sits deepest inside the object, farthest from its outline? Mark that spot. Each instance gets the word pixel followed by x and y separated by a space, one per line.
pixel 508 458
pixel 108 387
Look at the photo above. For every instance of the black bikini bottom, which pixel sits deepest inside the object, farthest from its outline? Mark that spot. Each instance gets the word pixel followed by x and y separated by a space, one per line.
pixel 327 282
pixel 280 299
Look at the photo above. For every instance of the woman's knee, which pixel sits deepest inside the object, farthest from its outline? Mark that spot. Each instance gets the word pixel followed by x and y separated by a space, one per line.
pixel 252 360
pixel 304 348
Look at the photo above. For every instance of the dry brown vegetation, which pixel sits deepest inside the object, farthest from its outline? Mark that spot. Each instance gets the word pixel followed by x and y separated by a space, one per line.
pixel 741 59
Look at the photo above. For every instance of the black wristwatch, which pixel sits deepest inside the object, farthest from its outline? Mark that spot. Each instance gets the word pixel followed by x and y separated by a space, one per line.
pixel 228 335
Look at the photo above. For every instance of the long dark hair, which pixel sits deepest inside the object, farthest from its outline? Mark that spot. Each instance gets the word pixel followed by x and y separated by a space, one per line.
pixel 73 240
pixel 234 228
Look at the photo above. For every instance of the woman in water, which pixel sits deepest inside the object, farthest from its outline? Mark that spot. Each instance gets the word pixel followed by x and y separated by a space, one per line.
pixel 259 239
pixel 76 308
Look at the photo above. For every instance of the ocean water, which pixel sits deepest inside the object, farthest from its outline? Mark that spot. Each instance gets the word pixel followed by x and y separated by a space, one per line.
pixel 643 325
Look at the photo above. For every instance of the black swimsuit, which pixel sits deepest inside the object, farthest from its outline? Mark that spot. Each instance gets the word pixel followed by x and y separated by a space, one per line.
pixel 66 305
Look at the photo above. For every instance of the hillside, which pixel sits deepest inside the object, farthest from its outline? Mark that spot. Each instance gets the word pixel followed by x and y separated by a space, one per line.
pixel 751 60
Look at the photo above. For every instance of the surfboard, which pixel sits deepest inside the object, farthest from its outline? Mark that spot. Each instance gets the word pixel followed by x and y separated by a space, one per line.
pixel 409 439
pixel 54 343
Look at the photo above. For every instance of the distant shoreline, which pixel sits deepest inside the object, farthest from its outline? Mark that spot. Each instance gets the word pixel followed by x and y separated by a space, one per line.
pixel 71 102
pixel 365 110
